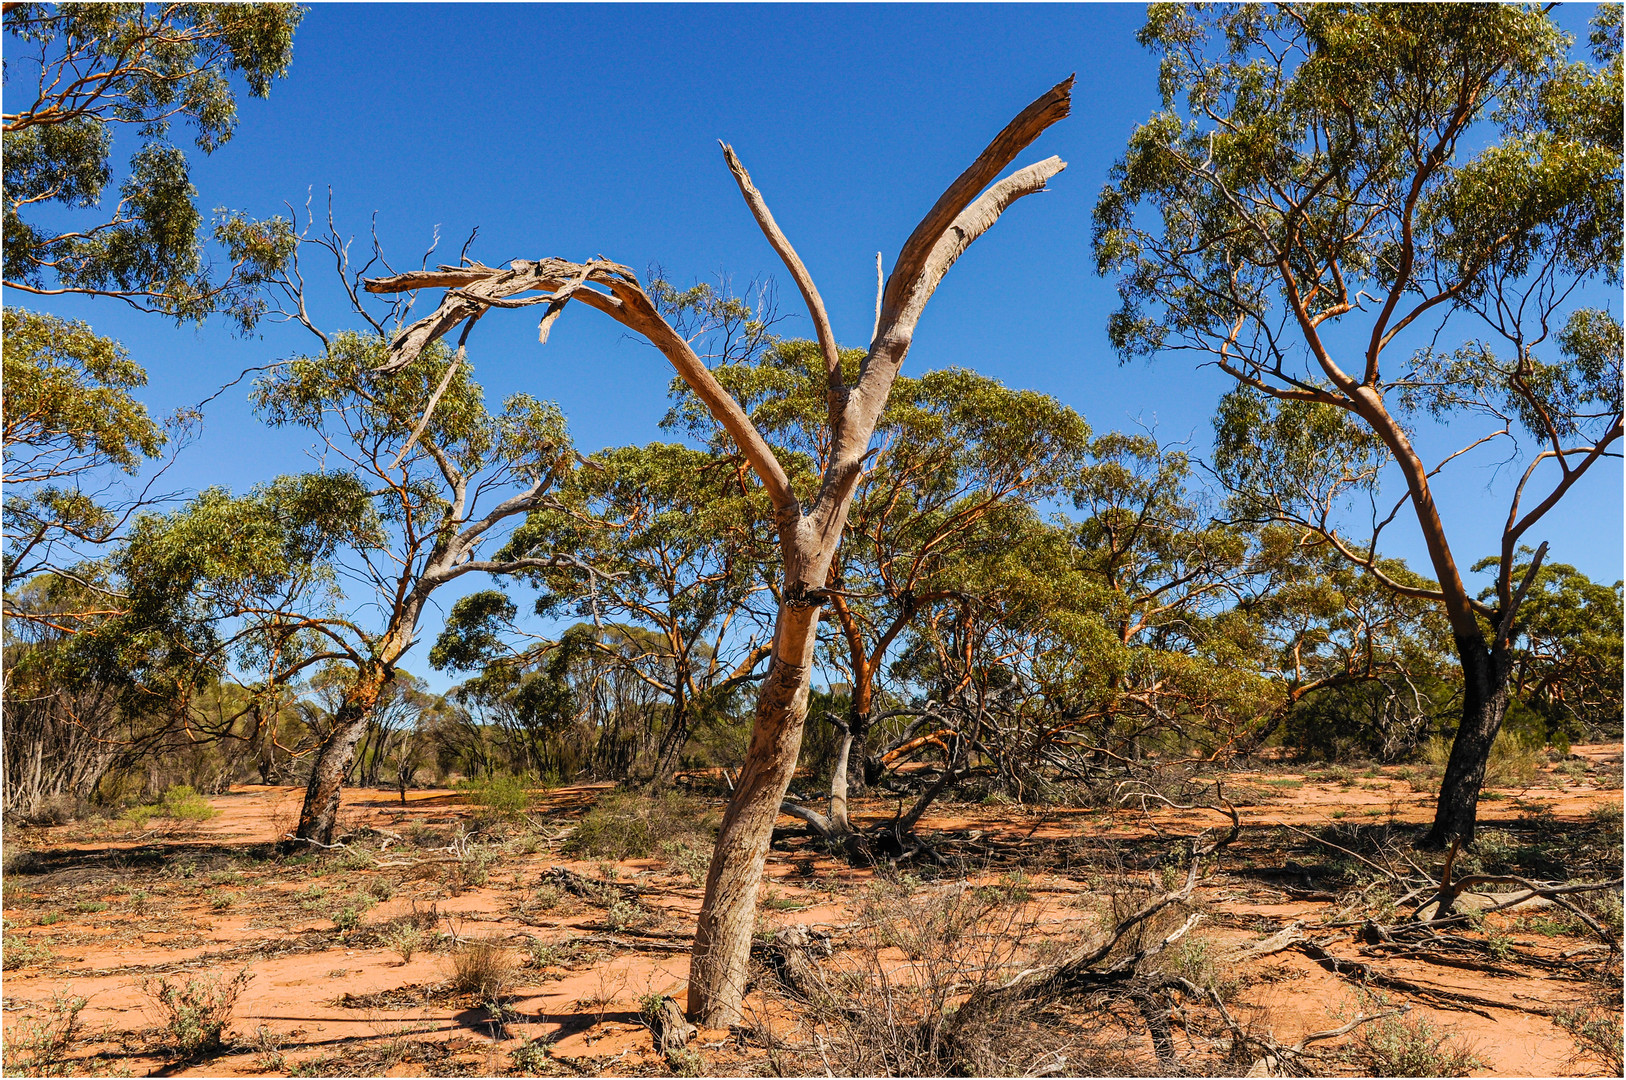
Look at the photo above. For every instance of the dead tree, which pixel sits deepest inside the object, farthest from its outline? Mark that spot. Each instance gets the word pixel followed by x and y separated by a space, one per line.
pixel 809 533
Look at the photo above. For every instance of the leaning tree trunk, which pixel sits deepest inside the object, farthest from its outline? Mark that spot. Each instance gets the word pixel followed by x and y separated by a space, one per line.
pixel 722 940
pixel 809 535
pixel 333 757
pixel 1485 673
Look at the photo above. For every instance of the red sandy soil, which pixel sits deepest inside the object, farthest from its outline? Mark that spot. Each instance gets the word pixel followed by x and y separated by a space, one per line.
pixel 303 970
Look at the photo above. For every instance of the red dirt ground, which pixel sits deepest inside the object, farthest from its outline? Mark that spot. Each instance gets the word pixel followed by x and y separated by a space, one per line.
pixel 212 911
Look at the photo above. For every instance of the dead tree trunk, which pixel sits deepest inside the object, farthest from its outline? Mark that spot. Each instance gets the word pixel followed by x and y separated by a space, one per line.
pixel 808 534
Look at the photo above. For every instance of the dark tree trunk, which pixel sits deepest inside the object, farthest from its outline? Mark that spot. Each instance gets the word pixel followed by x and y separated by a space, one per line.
pixel 333 758
pixel 1484 703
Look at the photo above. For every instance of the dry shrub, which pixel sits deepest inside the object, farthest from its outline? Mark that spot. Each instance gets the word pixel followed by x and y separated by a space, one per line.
pixel 194 1014
pixel 482 967
pixel 888 1004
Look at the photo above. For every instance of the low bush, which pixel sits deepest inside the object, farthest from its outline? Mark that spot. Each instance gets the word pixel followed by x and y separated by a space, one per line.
pixel 1411 1046
pixel 500 798
pixel 39 1046
pixel 194 1014
pixel 633 825
pixel 532 1056
pixel 19 952
pixel 179 802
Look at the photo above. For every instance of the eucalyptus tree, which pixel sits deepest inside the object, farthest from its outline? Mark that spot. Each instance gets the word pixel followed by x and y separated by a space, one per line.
pixel 953 450
pixel 439 485
pixel 1369 216
pixel 1566 675
pixel 70 420
pixel 137 69
pixel 678 549
pixel 809 532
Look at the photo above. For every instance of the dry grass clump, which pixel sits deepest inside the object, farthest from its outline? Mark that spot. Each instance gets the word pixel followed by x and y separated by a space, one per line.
pixel 890 1003
pixel 484 968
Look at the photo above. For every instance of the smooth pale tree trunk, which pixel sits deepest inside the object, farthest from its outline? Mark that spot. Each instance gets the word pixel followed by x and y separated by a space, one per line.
pixel 808 535
pixel 839 776
pixel 722 940
pixel 1485 673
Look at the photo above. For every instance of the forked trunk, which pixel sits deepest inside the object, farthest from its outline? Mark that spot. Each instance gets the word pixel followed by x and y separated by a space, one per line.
pixel 722 941
pixel 1484 704
pixel 333 758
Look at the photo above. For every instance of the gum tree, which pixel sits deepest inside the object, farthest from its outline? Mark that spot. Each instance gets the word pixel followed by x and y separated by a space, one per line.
pixel 954 451
pixel 1371 216
pixel 439 490
pixel 139 69
pixel 809 523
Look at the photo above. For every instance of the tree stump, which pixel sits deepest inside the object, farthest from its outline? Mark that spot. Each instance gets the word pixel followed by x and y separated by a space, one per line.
pixel 669 1028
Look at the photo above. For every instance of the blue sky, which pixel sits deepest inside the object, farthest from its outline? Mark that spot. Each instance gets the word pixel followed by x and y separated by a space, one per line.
pixel 578 131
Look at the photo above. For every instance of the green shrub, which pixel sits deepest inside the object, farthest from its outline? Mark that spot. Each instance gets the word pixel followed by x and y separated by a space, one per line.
pixel 179 802
pixel 39 1047
pixel 404 936
pixel 531 1056
pixel 194 1014
pixel 1404 1046
pixel 632 825
pixel 20 952
pixel 501 798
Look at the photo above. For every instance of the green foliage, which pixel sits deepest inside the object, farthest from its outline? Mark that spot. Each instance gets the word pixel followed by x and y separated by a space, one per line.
pixel 21 952
pixel 1329 175
pixel 39 1045
pixel 194 1014
pixel 501 797
pixel 1566 678
pixel 68 400
pixel 137 68
pixel 628 825
pixel 1412 1046
pixel 532 1056
pixel 178 803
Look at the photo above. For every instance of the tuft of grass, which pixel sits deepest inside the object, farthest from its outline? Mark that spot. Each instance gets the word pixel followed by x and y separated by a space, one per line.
pixel 633 825
pixel 1512 763
pixel 482 967
pixel 194 1014
pixel 90 907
